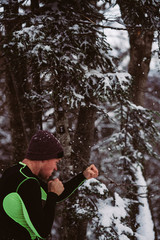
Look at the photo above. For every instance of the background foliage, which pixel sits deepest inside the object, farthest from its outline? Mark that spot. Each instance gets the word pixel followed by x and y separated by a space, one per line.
pixel 58 72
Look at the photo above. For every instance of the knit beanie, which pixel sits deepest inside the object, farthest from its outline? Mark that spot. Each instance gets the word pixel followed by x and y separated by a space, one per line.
pixel 44 146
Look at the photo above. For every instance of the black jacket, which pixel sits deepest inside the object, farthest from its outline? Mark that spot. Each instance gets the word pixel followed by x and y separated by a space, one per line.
pixel 27 210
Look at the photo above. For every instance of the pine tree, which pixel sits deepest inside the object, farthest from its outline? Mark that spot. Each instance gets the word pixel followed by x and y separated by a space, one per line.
pixel 65 80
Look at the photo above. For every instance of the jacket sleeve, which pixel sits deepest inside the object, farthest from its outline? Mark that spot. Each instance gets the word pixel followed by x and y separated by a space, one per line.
pixel 41 217
pixel 71 186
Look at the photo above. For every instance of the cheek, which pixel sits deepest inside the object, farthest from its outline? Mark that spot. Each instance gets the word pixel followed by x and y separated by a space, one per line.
pixel 54 166
pixel 47 173
pixel 51 168
pixel 48 169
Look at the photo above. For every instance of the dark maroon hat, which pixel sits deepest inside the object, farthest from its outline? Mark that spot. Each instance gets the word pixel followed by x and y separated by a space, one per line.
pixel 44 146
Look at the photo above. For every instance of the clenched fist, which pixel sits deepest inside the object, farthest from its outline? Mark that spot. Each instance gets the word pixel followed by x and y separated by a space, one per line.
pixel 90 172
pixel 55 186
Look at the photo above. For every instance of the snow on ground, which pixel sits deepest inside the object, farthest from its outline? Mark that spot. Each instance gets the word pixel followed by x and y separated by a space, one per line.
pixel 110 215
pixel 146 228
pixel 112 212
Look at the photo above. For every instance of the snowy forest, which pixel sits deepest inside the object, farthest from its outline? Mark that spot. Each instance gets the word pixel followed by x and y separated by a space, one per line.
pixel 88 72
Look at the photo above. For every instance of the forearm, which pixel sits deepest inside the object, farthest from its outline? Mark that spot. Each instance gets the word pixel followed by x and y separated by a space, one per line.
pixel 71 186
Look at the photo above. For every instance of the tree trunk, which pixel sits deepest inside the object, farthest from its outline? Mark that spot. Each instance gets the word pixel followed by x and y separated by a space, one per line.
pixel 34 5
pixel 36 106
pixel 24 118
pixel 74 161
pixel 16 118
pixel 18 129
pixel 141 34
pixel 62 133
pixel 140 30
pixel 83 141
pixel 84 137
pixel 140 57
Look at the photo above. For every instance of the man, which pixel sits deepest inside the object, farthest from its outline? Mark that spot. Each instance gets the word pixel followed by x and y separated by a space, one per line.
pixel 27 200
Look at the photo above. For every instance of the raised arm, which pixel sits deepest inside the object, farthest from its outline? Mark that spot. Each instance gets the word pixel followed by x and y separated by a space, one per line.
pixel 71 186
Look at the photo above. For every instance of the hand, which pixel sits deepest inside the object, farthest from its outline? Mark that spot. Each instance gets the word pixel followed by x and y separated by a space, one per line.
pixel 55 186
pixel 90 172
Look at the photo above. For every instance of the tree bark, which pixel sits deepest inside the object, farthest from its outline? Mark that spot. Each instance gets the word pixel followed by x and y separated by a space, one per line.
pixel 140 57
pixel 62 133
pixel 141 30
pixel 84 136
pixel 34 6
pixel 141 33
pixel 83 141
pixel 36 106
pixel 18 130
pixel 22 117
pixel 16 118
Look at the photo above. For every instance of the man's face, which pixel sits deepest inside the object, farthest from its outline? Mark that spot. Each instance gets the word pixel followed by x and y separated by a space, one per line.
pixel 48 166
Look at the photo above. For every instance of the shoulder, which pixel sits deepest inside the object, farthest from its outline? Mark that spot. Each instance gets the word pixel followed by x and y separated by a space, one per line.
pixel 11 170
pixel 29 188
pixel 12 175
pixel 29 183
